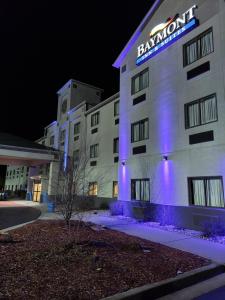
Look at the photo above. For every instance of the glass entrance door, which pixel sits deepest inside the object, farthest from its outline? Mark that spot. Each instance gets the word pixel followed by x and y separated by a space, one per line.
pixel 37 192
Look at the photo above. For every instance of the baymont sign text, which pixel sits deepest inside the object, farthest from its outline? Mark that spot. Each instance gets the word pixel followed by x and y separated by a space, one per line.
pixel 164 34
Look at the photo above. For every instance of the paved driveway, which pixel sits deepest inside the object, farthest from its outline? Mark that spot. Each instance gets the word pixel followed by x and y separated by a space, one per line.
pixel 12 215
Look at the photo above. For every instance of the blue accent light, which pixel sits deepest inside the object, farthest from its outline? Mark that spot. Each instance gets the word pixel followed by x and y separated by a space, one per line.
pixel 168 41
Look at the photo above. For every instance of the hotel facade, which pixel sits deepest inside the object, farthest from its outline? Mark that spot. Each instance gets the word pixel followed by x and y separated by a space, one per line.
pixel 161 142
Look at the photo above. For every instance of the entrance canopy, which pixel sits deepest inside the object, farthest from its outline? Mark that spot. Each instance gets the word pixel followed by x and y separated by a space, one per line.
pixel 15 150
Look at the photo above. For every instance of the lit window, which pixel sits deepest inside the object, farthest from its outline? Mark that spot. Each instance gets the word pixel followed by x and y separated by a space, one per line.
pixel 115 189
pixel 93 189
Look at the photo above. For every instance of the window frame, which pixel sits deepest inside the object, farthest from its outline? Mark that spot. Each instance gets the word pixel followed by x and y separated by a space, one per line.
pixel 115 141
pixel 140 179
pixel 115 104
pixel 93 118
pixel 113 189
pixel 199 101
pixel 93 183
pixel 96 153
pixel 195 40
pixel 139 75
pixel 204 178
pixel 132 131
pixel 76 125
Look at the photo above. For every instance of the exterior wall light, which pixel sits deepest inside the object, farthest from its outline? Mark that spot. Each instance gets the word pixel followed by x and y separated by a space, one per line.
pixel 165 158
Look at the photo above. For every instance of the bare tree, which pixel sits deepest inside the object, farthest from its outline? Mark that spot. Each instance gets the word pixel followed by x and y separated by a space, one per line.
pixel 72 184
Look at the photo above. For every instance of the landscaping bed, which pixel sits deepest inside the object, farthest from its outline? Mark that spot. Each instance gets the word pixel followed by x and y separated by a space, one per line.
pixel 43 260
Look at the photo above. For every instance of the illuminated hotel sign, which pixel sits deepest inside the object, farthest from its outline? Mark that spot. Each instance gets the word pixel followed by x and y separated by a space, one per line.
pixel 165 34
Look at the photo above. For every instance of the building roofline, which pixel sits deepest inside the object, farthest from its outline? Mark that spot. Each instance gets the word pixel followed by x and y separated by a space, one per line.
pixel 51 124
pixel 48 150
pixel 136 34
pixel 79 82
pixel 99 105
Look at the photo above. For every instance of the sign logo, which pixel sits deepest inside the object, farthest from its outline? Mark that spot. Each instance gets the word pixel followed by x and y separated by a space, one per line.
pixel 165 34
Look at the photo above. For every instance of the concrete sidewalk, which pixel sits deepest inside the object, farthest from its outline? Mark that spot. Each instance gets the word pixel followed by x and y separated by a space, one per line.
pixel 204 248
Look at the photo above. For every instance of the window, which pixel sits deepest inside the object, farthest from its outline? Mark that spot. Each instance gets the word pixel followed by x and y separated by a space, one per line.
pixel 64 106
pixel 117 121
pixel 123 69
pixel 200 112
pixel 62 137
pixel 94 151
pixel 199 47
pixel 76 155
pixel 52 140
pixel 206 191
pixel 116 108
pixel 76 128
pixel 115 189
pixel 139 131
pixel 93 189
pixel 95 119
pixel 76 138
pixel 116 145
pixel 140 189
pixel 140 82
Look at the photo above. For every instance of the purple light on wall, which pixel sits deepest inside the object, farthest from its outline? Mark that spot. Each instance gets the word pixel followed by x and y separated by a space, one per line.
pixel 136 35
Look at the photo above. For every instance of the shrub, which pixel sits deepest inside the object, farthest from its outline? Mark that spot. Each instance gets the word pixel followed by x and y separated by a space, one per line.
pixel 104 205
pixel 116 208
pixel 213 228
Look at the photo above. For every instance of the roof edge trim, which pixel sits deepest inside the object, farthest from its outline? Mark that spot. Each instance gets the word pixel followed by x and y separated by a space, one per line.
pixel 136 35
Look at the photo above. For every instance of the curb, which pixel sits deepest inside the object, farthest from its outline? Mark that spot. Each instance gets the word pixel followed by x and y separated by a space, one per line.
pixel 168 286
pixel 16 226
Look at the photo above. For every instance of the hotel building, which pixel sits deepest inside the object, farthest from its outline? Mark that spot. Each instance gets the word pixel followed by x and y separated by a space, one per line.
pixel 162 145
pixel 172 113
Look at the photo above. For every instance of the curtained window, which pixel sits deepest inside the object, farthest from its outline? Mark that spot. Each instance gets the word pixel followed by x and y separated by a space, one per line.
pixel 140 189
pixel 199 47
pixel 200 112
pixel 139 131
pixel 93 189
pixel 140 82
pixel 206 191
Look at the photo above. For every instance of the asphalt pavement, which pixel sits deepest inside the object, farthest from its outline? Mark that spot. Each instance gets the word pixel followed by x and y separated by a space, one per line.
pixel 12 216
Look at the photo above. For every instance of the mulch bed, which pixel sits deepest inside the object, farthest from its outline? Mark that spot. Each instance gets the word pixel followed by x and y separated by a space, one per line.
pixel 44 261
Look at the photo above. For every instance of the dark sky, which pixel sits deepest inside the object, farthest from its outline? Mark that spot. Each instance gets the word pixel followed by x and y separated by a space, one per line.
pixel 45 43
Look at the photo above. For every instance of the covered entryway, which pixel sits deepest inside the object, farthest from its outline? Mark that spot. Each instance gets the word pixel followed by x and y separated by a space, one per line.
pixel 18 151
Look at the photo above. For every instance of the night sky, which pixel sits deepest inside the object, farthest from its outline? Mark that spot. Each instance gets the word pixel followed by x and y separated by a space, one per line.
pixel 45 43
